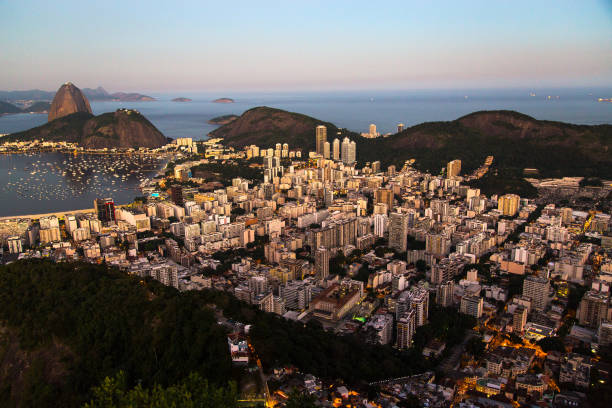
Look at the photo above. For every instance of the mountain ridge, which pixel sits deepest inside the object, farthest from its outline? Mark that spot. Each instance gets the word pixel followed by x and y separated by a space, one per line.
pixel 557 148
pixel 93 94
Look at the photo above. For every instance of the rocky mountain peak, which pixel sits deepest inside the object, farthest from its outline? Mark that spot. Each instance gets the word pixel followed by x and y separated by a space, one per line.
pixel 68 99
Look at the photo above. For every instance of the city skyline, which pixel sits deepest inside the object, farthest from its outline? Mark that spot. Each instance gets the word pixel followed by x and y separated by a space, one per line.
pixel 313 46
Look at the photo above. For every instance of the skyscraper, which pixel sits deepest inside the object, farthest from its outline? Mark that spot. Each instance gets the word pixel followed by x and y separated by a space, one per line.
pixel 453 168
pixel 398 231
pixel 336 149
pixel 321 138
pixel 326 149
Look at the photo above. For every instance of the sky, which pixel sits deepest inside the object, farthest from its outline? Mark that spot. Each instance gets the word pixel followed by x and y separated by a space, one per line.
pixel 159 46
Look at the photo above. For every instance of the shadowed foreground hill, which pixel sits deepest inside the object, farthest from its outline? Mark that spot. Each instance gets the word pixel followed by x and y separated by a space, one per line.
pixel 516 140
pixel 121 129
pixel 65 327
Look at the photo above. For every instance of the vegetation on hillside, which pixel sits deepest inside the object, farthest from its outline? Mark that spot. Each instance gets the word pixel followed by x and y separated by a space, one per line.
pixel 504 182
pixel 68 326
pixel 193 391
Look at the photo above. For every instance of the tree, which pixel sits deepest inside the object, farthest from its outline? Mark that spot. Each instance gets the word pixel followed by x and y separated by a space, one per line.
pixel 476 347
pixel 300 400
pixel 238 211
pixel 364 273
pixel 194 392
pixel 552 344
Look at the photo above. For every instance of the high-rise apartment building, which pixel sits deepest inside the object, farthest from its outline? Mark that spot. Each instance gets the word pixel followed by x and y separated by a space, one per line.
pixel 384 195
pixel 536 288
pixel 336 149
pixel 105 209
pixel 437 244
pixel 593 309
pixel 326 148
pixel 15 245
pixel 258 284
pixel 419 301
pixel 321 138
pixel 398 231
pixel 322 256
pixel 406 326
pixel 352 152
pixel 472 306
pixel 176 193
pixel 453 168
pixel 508 204
pixel 373 132
pixel 349 151
pixel 376 166
pixel 519 319
pixel 445 293
pixel 604 333
pixel 380 225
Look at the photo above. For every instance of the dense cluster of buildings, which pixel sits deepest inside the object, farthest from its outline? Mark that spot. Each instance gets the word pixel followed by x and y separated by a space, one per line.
pixel 368 251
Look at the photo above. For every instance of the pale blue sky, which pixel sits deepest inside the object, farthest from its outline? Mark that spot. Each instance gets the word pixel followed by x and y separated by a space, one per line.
pixel 295 45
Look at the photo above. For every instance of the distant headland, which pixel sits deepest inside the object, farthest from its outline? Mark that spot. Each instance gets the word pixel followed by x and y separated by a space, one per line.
pixel 222 120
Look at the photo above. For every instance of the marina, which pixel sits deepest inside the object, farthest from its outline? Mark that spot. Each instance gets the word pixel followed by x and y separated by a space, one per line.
pixel 57 181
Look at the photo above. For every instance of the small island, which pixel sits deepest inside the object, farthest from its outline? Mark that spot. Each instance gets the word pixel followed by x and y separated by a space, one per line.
pixel 222 120
pixel 182 100
pixel 223 100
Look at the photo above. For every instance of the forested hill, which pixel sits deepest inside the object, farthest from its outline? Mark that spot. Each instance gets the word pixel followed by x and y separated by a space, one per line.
pixel 65 327
pixel 266 126
pixel 516 140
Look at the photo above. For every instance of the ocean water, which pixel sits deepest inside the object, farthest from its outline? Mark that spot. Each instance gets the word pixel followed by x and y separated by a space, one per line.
pixel 354 110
